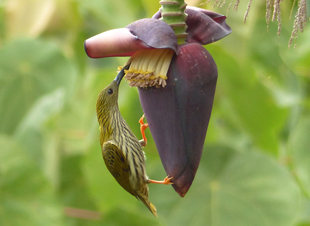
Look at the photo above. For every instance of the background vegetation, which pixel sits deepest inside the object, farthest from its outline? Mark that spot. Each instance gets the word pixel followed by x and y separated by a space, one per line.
pixel 255 168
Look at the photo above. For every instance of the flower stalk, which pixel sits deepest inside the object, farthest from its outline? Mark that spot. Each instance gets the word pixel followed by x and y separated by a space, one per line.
pixel 173 13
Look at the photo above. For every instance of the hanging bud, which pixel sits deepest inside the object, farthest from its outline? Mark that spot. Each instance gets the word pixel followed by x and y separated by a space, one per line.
pixel 183 108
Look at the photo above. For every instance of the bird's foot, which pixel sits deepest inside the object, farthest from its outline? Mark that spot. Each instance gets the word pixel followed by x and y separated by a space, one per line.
pixel 143 126
pixel 166 181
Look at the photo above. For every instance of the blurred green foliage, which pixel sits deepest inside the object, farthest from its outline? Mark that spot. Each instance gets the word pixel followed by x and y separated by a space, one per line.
pixel 255 169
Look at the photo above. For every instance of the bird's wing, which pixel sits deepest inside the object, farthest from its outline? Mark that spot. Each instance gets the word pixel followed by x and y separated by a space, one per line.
pixel 117 165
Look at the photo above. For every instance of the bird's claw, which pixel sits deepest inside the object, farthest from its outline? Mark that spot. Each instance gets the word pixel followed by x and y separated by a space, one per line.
pixel 167 180
pixel 143 126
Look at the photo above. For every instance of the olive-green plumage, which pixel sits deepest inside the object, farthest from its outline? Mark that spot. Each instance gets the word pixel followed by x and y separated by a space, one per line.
pixel 121 150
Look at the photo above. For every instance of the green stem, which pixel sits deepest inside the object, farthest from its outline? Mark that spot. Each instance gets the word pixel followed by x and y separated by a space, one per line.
pixel 173 13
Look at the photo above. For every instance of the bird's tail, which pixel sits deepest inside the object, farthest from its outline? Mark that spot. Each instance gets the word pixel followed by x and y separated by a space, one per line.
pixel 148 204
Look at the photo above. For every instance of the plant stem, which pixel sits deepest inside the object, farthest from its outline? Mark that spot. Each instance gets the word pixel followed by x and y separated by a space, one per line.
pixel 173 13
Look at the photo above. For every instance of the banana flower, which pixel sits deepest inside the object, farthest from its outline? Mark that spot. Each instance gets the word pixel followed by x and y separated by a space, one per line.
pixel 176 83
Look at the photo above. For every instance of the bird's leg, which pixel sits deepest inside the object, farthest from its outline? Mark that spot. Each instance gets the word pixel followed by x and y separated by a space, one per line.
pixel 143 126
pixel 166 181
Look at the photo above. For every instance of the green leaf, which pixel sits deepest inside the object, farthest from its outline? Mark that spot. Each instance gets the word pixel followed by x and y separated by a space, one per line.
pixel 114 9
pixel 29 132
pixel 28 70
pixel 247 103
pixel 41 111
pixel 26 198
pixel 234 189
pixel 298 146
pixel 304 216
pixel 121 216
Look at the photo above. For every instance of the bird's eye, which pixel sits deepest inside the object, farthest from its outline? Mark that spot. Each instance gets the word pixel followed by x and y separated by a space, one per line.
pixel 110 91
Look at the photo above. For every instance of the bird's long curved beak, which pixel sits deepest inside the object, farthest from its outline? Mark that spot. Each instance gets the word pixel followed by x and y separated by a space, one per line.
pixel 121 74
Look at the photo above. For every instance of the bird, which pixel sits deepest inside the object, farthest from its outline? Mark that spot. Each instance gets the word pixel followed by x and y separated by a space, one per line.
pixel 121 150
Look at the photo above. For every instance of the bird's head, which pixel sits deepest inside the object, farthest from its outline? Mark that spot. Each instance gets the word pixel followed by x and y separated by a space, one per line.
pixel 108 97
